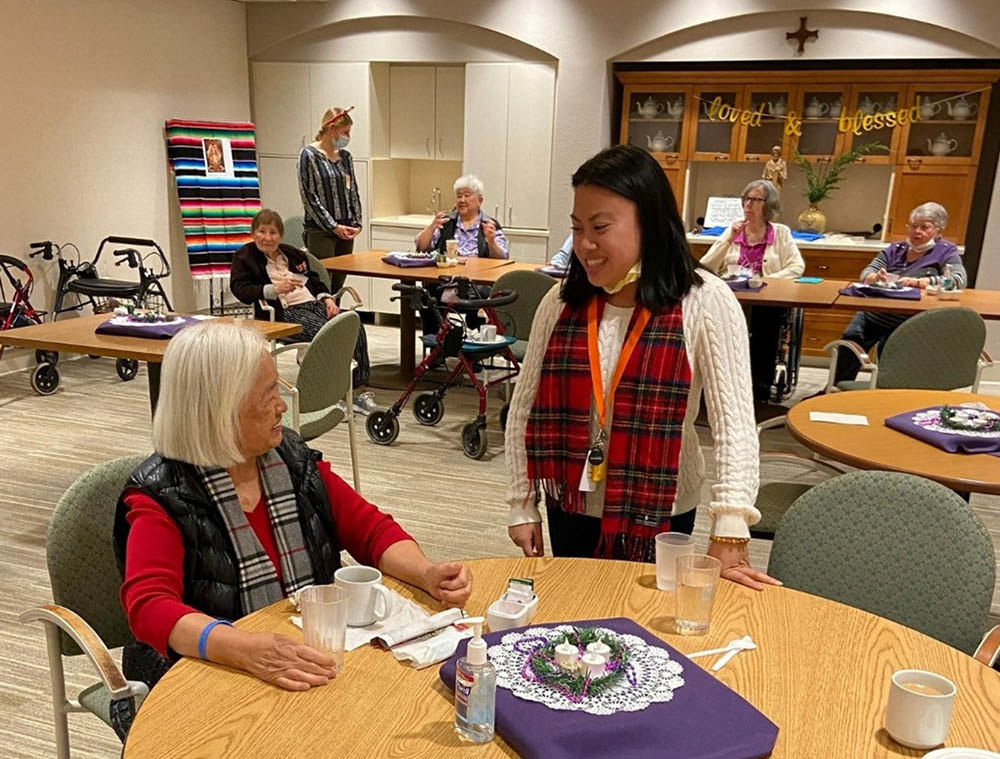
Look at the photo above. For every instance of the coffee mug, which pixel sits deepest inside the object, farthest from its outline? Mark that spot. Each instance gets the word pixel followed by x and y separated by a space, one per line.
pixel 918 713
pixel 364 590
pixel 488 333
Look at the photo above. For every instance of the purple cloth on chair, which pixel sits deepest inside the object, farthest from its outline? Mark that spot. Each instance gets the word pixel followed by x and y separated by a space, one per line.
pixel 951 443
pixel 407 262
pixel 705 719
pixel 742 284
pixel 151 330
pixel 866 291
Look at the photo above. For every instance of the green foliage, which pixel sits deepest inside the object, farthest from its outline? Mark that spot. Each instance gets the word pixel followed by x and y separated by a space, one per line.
pixel 823 182
pixel 544 666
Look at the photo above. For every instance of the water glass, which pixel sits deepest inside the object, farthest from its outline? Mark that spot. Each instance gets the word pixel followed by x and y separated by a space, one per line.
pixel 324 620
pixel 697 580
pixel 670 545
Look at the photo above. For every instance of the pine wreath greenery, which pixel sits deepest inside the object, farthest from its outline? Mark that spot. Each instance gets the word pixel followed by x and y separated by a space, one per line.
pixel 969 420
pixel 578 683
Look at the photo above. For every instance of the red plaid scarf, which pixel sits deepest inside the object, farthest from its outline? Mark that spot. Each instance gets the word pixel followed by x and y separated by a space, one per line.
pixel 644 443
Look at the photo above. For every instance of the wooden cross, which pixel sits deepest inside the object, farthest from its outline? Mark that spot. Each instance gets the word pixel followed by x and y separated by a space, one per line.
pixel 802 34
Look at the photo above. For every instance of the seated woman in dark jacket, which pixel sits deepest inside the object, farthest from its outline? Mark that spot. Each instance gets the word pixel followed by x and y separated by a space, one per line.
pixel 224 464
pixel 268 270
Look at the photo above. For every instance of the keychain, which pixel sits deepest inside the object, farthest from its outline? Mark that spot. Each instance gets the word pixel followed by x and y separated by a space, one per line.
pixel 596 459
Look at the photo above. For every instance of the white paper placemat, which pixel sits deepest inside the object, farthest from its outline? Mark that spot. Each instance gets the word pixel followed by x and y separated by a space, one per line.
pixel 828 416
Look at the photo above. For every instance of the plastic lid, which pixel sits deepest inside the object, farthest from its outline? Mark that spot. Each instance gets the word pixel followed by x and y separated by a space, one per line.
pixel 476 653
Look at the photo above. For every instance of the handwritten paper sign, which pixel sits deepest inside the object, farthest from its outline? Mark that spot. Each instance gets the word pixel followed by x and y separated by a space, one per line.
pixel 723 211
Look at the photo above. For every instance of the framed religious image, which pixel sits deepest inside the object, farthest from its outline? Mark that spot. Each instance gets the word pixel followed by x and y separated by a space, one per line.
pixel 218 155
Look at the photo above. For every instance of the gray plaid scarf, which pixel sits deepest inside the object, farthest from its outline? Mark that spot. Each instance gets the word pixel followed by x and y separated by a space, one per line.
pixel 259 585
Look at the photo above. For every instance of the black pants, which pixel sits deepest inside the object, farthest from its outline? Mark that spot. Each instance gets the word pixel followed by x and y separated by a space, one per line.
pixel 322 245
pixel 577 535
pixel 429 321
pixel 765 331
pixel 866 330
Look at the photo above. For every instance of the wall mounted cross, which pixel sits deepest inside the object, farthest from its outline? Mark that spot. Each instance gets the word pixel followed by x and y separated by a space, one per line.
pixel 802 34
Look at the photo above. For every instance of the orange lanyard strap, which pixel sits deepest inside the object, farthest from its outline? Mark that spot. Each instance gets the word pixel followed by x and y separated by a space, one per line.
pixel 595 359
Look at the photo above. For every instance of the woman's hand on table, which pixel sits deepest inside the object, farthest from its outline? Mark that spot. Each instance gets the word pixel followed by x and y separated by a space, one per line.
pixel 282 661
pixel 528 537
pixel 914 282
pixel 449 582
pixel 736 566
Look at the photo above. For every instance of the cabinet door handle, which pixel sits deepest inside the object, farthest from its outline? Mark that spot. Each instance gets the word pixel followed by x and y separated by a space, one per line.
pixel 823 267
pixel 859 159
pixel 914 162
pixel 440 147
pixel 670 158
pixel 496 212
pixel 721 157
pixel 510 214
pixel 427 146
pixel 753 157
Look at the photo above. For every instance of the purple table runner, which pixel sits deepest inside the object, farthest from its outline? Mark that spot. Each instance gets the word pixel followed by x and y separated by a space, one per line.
pixel 867 291
pixel 151 330
pixel 705 719
pixel 408 262
pixel 958 442
pixel 743 284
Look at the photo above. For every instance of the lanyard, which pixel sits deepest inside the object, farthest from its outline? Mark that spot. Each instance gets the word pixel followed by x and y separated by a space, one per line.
pixel 595 360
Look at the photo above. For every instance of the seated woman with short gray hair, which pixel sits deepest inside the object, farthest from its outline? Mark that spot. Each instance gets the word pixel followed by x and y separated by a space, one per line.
pixel 233 512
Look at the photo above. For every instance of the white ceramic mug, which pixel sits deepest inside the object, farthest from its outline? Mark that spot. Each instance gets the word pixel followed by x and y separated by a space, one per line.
pixel 488 333
pixel 364 590
pixel 918 713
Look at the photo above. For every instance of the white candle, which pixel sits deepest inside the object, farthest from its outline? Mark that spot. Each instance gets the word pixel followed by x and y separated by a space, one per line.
pixel 594 663
pixel 566 654
pixel 599 647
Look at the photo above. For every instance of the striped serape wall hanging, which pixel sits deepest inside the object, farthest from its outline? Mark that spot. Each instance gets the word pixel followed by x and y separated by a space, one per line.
pixel 215 165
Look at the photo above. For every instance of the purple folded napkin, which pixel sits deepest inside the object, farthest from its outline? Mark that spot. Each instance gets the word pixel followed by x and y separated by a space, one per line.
pixel 704 720
pixel 407 262
pixel 743 284
pixel 867 291
pixel 552 271
pixel 921 424
pixel 154 330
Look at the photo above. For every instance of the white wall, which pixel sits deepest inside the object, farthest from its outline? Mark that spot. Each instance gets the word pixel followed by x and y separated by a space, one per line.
pixel 87 87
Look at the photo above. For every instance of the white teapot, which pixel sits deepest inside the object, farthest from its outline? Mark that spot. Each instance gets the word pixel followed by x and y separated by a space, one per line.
pixel 961 109
pixel 929 109
pixel 867 107
pixel 778 108
pixel 835 108
pixel 659 143
pixel 816 109
pixel 650 109
pixel 675 109
pixel 941 145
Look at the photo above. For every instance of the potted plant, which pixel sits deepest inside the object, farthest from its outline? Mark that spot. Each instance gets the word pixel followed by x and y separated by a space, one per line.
pixel 819 184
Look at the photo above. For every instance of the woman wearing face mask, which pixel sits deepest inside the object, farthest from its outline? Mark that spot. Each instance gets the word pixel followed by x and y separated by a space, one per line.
pixel 602 418
pixel 329 191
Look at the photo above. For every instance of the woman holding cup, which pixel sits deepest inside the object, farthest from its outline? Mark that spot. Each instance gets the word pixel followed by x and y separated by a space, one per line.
pixel 233 513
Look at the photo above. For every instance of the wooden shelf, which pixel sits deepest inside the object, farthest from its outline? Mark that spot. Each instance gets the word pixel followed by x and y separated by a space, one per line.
pixel 642 120
pixel 945 121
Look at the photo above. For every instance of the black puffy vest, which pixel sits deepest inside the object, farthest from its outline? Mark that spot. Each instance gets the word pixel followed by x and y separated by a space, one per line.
pixel 448 233
pixel 211 573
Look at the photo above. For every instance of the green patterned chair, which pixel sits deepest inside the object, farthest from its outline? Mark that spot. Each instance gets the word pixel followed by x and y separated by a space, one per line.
pixel 939 349
pixel 896 545
pixel 86 616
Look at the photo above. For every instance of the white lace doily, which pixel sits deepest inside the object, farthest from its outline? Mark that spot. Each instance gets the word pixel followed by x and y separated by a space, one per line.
pixel 651 675
pixel 931 420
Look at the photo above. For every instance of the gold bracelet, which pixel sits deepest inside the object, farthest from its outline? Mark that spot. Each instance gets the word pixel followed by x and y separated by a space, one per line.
pixel 729 541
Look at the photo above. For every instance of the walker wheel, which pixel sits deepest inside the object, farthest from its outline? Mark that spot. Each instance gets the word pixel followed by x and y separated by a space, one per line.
pixel 428 409
pixel 127 368
pixel 45 379
pixel 503 416
pixel 474 440
pixel 382 427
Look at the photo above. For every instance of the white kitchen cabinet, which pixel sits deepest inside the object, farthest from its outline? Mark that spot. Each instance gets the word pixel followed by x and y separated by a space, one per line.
pixel 279 187
pixel 425 112
pixel 508 138
pixel 342 85
pixel 529 248
pixel 449 118
pixel 281 108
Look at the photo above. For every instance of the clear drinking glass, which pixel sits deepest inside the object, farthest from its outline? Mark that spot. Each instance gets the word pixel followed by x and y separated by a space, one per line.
pixel 324 620
pixel 697 580
pixel 670 545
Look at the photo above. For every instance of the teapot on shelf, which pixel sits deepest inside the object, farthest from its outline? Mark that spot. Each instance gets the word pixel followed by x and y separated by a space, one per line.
pixel 778 108
pixel 835 108
pixel 890 104
pixel 649 109
pixel 659 143
pixel 816 109
pixel 961 109
pixel 929 109
pixel 941 145
pixel 867 107
pixel 675 109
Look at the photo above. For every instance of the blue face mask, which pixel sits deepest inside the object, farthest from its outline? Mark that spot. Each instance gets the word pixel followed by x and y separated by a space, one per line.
pixel 342 141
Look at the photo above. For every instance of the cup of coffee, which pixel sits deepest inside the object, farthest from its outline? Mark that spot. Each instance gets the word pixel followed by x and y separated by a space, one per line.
pixel 488 333
pixel 451 248
pixel 366 594
pixel 918 712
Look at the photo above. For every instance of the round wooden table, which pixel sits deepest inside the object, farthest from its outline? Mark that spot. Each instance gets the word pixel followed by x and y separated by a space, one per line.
pixel 879 447
pixel 821 673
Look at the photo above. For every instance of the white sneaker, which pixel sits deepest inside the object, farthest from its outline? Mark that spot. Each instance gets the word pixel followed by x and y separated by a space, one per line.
pixel 364 403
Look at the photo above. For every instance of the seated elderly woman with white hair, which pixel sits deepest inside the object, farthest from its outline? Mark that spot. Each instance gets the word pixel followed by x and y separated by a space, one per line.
pixel 232 513
pixel 920 260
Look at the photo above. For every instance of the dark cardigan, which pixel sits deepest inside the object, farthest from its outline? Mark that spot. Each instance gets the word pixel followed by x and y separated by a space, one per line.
pixel 248 277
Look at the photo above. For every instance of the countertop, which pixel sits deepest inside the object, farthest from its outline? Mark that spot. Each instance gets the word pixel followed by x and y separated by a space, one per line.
pixel 836 242
pixel 420 220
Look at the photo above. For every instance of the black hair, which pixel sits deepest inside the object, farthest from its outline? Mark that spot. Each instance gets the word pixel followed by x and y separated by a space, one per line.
pixel 669 270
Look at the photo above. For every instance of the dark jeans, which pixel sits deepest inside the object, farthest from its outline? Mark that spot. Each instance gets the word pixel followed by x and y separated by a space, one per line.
pixel 866 330
pixel 577 535
pixel 322 245
pixel 765 331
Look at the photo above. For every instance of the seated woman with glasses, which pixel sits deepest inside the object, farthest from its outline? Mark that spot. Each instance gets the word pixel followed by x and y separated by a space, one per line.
pixel 762 246
pixel 918 261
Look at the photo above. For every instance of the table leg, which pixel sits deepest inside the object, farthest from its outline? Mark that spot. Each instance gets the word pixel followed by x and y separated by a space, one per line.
pixel 396 376
pixel 153 376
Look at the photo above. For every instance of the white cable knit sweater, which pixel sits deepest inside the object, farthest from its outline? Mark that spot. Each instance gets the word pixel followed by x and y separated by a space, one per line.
pixel 715 337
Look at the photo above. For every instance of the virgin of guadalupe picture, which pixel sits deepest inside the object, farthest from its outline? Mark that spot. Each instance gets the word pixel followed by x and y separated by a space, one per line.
pixel 215 157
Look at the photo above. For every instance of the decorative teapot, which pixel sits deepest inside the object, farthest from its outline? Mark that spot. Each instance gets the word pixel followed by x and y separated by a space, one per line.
pixel 941 145
pixel 929 109
pixel 816 109
pixel 835 108
pixel 650 109
pixel 890 104
pixel 675 109
pixel 867 107
pixel 659 143
pixel 961 109
pixel 778 108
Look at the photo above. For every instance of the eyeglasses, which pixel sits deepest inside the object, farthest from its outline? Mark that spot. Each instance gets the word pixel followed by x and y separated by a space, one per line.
pixel 924 226
pixel 747 199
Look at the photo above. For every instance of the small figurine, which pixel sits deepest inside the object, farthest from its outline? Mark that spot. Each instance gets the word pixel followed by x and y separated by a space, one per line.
pixel 776 170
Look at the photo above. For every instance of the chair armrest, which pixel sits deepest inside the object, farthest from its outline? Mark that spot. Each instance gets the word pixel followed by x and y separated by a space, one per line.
pixel 348 290
pixel 289 347
pixel 989 649
pixel 859 353
pixel 794 458
pixel 267 308
pixel 90 643
pixel 778 421
pixel 985 359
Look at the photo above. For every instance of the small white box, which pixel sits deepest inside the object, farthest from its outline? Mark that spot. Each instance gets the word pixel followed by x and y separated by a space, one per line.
pixel 948 294
pixel 504 613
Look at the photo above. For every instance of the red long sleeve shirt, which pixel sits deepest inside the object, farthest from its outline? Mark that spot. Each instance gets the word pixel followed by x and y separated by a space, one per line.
pixel 153 590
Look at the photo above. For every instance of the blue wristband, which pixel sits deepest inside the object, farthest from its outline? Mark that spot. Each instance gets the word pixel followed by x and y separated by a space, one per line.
pixel 203 638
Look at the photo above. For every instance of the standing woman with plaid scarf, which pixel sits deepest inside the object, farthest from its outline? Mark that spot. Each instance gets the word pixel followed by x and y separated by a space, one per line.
pixel 602 418
pixel 233 513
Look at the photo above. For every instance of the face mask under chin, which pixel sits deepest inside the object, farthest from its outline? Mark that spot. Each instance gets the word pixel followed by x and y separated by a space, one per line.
pixel 632 275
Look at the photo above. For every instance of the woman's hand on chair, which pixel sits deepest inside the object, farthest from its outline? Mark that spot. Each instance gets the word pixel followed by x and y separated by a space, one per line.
pixel 528 537
pixel 736 566
pixel 449 581
pixel 331 307
pixel 282 661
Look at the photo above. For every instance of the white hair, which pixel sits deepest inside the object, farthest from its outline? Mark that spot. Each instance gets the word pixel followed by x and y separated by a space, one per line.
pixel 208 372
pixel 470 182
pixel 935 213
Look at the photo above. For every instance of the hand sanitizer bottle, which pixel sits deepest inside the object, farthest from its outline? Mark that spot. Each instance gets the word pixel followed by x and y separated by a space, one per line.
pixel 947 280
pixel 475 689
